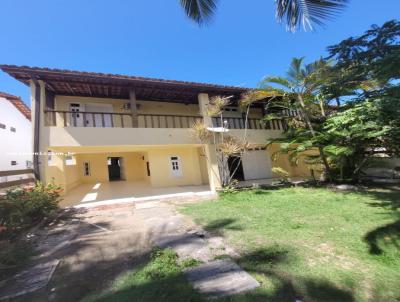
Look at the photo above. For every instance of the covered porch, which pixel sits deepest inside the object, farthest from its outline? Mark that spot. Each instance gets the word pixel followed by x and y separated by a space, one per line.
pixel 115 174
pixel 117 192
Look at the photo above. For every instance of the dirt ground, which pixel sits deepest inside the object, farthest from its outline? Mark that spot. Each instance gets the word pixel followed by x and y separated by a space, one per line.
pixel 107 241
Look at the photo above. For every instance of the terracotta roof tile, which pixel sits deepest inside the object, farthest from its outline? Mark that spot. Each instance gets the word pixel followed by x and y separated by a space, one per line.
pixel 18 103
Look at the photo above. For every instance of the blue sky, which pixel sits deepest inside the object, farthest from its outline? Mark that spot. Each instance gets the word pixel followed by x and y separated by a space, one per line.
pixel 155 39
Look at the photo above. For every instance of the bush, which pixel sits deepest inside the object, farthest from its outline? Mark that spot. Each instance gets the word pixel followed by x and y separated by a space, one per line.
pixel 282 174
pixel 20 208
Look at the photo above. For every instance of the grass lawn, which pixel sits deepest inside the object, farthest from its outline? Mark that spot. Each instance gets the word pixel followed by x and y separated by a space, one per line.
pixel 314 243
pixel 160 279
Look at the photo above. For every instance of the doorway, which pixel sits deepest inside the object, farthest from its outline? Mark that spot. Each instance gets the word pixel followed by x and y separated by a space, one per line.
pixel 114 168
pixel 235 168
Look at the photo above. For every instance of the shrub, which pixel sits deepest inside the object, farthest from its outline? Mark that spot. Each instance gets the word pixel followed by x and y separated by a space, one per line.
pixel 20 208
pixel 282 174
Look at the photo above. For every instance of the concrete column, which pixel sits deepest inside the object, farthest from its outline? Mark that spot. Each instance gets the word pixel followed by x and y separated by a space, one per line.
pixel 134 110
pixel 204 101
pixel 43 134
pixel 209 149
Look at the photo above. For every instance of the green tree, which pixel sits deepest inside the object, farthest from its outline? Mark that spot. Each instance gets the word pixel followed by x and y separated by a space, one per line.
pixel 364 75
pixel 299 92
pixel 295 13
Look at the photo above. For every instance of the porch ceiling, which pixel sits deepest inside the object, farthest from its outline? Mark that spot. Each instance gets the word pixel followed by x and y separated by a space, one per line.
pixel 90 84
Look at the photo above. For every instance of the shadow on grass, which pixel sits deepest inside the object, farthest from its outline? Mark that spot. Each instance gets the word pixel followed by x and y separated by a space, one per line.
pixel 266 261
pixel 387 235
pixel 219 225
pixel 173 286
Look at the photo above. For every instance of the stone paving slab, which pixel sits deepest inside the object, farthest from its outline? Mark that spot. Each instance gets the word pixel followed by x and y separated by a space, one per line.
pixel 186 246
pixel 220 278
pixel 28 281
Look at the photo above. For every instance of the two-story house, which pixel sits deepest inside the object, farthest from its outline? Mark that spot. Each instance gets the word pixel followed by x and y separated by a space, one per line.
pixel 15 137
pixel 103 129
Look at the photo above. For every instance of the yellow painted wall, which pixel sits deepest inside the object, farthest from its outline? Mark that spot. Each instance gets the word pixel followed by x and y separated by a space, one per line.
pixel 66 176
pixel 299 170
pixel 203 166
pixel 160 167
pixel 133 165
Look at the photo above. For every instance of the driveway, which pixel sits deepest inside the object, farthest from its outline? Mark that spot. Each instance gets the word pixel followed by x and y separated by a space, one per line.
pixel 106 242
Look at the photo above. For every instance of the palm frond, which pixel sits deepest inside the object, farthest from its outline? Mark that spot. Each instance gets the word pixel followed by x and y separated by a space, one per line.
pixel 199 11
pixel 296 72
pixel 307 13
pixel 285 83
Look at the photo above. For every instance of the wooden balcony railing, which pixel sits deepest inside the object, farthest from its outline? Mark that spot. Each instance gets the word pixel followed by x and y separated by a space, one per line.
pixel 252 123
pixel 117 120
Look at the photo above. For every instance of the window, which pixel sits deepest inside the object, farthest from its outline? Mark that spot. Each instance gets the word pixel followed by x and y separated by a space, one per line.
pixel 13 163
pixel 70 160
pixel 176 166
pixel 12 129
pixel 2 126
pixel 86 168
pixel 148 168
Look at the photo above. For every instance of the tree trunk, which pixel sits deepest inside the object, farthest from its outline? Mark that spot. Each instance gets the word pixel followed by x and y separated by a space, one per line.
pixel 311 128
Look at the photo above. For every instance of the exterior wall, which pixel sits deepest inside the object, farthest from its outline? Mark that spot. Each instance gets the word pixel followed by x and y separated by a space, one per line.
pixel 15 146
pixel 133 165
pixel 256 165
pixel 203 166
pixel 299 170
pixel 91 136
pixel 161 171
pixel 66 176
pixel 139 145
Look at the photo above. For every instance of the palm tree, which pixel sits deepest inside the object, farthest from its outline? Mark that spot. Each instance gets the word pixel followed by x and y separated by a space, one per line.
pixel 296 13
pixel 302 89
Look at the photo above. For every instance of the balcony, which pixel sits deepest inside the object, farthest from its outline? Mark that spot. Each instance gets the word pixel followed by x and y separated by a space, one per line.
pixel 252 123
pixel 117 120
pixel 71 128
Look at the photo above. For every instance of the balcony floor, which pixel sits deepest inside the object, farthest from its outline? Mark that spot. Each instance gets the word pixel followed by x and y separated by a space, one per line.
pixel 108 193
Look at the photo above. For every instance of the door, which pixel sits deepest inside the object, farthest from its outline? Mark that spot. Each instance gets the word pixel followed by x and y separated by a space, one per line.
pixel 235 168
pixel 257 164
pixel 98 118
pixel 76 117
pixel 114 168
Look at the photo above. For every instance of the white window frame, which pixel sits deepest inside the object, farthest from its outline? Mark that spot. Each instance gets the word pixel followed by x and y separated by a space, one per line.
pixel 175 166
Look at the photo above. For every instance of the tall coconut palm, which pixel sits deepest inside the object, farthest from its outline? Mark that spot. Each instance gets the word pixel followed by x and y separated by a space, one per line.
pixel 295 13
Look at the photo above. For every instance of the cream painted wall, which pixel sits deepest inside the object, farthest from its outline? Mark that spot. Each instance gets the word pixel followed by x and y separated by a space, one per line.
pixel 134 166
pixel 161 171
pixel 90 136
